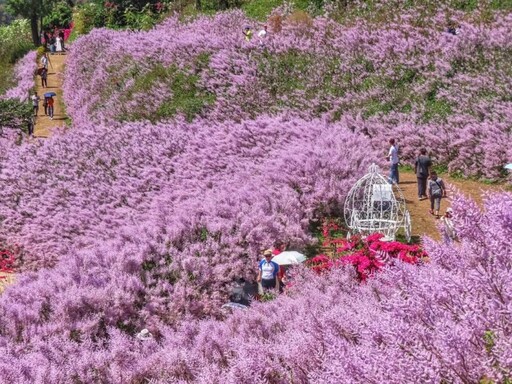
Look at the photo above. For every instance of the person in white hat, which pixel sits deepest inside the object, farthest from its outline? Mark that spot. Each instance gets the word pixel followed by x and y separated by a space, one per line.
pixel 267 272
pixel 448 224
pixel 144 335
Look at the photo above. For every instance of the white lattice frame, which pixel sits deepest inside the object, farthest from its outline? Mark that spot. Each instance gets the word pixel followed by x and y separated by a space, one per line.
pixel 373 205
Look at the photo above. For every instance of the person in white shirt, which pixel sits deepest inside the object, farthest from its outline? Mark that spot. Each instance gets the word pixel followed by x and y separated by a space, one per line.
pixel 267 272
pixel 393 159
pixel 262 33
pixel 35 103
pixel 44 61
pixel 449 229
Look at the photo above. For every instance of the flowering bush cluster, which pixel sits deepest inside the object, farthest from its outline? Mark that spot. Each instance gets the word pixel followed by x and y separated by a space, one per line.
pixel 408 79
pixel 368 255
pixel 188 153
pixel 448 322
pixel 24 74
pixel 7 261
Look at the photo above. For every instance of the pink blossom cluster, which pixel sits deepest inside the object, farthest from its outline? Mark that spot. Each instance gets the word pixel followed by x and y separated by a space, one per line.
pixel 409 79
pixel 24 76
pixel 444 321
pixel 144 224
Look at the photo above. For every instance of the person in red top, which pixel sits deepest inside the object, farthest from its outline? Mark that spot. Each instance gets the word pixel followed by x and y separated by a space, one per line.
pixel 281 275
pixel 50 107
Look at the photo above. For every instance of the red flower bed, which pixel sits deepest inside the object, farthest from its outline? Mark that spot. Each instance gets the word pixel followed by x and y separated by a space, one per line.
pixel 367 255
pixel 7 261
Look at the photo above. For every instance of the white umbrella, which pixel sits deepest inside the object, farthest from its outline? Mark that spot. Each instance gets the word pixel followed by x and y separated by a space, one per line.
pixel 289 257
pixel 508 166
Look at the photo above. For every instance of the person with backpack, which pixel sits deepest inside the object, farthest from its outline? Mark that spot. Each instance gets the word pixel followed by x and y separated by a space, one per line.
pixel 436 190
pixel 267 272
pixel 421 169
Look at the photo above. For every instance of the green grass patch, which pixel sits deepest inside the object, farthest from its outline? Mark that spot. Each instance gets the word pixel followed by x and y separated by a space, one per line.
pixel 261 9
pixel 6 76
pixel 187 97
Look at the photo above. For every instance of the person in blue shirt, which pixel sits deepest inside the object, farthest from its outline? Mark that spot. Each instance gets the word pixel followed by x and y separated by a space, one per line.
pixel 267 272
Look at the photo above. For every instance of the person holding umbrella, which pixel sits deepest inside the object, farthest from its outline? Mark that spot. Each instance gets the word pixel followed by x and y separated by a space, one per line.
pixel 267 272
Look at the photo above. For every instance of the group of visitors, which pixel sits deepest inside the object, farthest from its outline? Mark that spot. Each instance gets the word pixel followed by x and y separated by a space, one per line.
pixel 262 34
pixel 430 185
pixel 48 105
pixel 53 41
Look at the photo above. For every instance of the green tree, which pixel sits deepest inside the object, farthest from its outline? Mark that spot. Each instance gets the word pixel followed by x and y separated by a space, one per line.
pixel 31 10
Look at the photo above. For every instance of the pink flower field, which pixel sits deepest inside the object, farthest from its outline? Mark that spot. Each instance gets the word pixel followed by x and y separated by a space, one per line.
pixel 191 150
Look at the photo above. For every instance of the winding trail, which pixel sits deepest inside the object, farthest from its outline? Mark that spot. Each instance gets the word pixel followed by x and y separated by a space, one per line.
pixel 44 126
pixel 422 222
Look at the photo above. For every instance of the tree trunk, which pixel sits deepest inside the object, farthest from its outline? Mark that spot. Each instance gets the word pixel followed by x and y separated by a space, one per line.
pixel 35 30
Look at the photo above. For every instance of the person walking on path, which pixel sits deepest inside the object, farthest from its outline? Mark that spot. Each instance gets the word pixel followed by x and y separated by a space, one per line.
pixel 422 170
pixel 50 107
pixel 45 106
pixel 44 61
pixel 35 103
pixel 267 272
pixel 393 159
pixel 44 77
pixel 436 190
pixel 31 124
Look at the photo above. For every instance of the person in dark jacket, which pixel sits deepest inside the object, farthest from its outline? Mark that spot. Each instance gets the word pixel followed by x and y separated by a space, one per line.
pixel 422 170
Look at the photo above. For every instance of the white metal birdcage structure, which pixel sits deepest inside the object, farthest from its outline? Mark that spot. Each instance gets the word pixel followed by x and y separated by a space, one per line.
pixel 373 205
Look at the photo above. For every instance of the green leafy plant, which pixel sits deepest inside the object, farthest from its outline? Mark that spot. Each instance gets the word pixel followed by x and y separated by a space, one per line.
pixel 15 114
pixel 60 15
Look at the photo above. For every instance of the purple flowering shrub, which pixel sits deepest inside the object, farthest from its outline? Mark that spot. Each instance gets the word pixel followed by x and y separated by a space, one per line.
pixel 24 73
pixel 444 321
pixel 405 79
pixel 192 149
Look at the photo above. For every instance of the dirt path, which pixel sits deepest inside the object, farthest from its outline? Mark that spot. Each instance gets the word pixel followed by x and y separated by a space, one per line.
pixel 422 222
pixel 5 280
pixel 44 125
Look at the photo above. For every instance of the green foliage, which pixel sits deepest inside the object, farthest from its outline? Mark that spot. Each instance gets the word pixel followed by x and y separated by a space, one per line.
pixel 268 296
pixel 187 98
pixel 15 114
pixel 15 42
pixel 88 16
pixel 60 15
pixel 131 14
pixel 260 10
pixel 144 19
